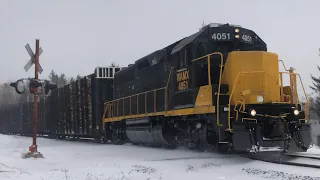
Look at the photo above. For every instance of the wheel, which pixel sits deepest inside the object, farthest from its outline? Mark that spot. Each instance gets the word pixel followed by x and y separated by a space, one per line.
pixel 116 138
pixel 224 148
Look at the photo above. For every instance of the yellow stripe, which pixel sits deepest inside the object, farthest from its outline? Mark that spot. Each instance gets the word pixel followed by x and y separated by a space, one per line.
pixel 178 112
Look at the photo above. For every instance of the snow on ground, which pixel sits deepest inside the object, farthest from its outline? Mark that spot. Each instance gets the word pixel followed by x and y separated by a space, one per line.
pixel 67 160
pixel 314 150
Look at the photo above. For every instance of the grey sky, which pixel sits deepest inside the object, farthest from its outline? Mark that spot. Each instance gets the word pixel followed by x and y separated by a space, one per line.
pixel 78 35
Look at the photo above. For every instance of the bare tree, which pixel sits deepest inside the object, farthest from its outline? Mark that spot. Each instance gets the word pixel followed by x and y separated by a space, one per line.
pixel 113 64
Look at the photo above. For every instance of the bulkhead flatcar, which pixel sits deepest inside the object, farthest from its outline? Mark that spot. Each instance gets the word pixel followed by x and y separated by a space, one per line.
pixel 72 111
pixel 219 87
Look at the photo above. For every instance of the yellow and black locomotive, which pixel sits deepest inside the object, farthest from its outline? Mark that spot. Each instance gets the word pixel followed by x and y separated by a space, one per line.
pixel 216 88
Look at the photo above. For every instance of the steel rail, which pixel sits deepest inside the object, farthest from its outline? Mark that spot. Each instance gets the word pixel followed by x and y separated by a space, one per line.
pixel 282 159
pixel 304 156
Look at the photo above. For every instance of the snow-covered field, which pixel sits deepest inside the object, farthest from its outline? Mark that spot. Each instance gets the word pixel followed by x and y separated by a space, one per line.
pixel 68 160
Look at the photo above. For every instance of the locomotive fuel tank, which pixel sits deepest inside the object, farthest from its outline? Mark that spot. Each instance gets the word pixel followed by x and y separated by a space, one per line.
pixel 139 131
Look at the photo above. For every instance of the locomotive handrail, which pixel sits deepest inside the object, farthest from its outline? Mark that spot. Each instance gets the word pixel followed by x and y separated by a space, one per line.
pixel 295 91
pixel 230 97
pixel 284 66
pixel 110 104
pixel 291 70
pixel 134 95
pixel 219 87
pixel 209 78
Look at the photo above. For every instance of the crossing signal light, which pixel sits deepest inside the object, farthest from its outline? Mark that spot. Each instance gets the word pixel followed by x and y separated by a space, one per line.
pixel 19 86
pixel 34 84
pixel 48 87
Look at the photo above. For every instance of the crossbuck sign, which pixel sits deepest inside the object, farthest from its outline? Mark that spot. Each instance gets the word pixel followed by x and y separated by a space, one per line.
pixel 32 60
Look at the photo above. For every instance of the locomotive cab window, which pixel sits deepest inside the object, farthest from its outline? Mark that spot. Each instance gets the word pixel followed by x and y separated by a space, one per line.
pixel 143 64
pixel 200 67
pixel 183 59
pixel 201 50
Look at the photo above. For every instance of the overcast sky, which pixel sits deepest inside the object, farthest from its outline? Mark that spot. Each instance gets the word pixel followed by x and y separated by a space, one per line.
pixel 78 35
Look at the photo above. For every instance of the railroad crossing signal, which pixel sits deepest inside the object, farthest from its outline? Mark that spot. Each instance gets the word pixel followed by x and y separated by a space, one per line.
pixel 32 60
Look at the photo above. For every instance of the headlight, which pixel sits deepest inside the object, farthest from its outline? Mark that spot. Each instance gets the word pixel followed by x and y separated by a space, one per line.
pixel 296 112
pixel 237 36
pixel 236 30
pixel 253 112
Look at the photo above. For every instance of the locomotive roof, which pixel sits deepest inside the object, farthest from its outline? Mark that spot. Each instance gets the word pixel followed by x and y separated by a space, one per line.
pixel 180 44
pixel 186 41
pixel 156 55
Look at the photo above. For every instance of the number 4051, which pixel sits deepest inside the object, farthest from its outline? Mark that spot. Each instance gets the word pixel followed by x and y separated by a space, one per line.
pixel 221 36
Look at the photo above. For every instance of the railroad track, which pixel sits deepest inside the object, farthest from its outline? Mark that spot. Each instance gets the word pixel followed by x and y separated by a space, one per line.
pixel 301 160
pixel 304 155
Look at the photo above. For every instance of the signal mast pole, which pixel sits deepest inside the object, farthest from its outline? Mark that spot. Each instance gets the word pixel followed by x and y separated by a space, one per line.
pixel 33 147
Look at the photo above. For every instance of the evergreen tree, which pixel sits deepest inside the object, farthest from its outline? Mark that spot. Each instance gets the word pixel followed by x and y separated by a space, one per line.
pixel 315 101
pixel 53 77
pixel 62 81
pixel 71 80
pixel 78 77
